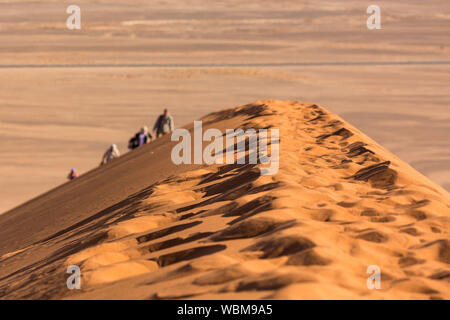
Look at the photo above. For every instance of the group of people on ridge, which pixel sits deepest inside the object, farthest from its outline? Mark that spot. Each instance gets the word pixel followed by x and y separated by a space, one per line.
pixel 163 125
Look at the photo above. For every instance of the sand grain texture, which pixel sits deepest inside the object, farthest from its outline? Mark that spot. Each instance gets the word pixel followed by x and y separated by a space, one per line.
pixel 339 203
pixel 144 56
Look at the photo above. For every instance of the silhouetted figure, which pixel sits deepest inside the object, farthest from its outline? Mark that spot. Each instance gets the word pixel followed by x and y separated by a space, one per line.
pixel 164 124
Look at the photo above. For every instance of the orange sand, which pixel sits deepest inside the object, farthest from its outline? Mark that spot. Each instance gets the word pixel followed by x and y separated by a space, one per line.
pixel 339 203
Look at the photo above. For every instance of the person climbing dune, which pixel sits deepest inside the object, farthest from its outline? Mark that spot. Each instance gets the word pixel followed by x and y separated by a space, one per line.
pixel 141 138
pixel 164 124
pixel 73 174
pixel 110 154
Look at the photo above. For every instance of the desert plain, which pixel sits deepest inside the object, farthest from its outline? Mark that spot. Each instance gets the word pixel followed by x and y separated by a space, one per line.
pixel 53 118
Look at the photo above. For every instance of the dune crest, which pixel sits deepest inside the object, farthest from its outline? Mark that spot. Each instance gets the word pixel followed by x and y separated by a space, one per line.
pixel 338 204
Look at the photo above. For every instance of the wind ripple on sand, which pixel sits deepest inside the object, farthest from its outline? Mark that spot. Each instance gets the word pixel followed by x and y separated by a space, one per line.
pixel 339 203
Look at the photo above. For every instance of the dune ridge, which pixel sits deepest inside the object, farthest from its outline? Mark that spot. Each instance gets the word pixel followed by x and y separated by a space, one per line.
pixel 338 204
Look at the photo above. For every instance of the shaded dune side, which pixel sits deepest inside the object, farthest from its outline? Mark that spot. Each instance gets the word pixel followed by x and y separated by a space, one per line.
pixel 338 204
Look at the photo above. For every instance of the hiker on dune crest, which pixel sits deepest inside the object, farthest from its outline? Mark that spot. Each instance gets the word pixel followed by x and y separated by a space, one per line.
pixel 141 138
pixel 164 124
pixel 110 154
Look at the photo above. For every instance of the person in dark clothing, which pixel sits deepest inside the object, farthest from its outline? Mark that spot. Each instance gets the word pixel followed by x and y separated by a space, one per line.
pixel 141 138
pixel 164 124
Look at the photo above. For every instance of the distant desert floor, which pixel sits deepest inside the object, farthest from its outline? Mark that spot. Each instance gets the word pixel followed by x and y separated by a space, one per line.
pixel 142 227
pixel 53 118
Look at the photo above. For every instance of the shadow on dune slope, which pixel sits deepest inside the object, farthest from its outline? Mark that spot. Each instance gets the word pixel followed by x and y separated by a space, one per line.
pixel 338 204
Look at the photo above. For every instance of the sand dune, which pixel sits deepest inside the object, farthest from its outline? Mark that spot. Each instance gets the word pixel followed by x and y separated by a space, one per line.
pixel 338 204
pixel 55 114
